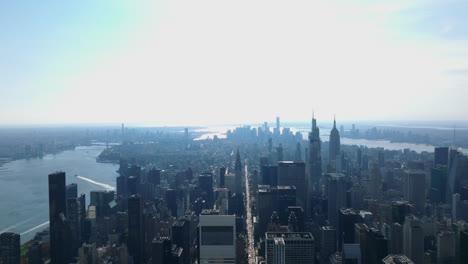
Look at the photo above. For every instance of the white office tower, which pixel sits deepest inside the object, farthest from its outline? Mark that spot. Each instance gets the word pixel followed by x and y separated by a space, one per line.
pixel 217 239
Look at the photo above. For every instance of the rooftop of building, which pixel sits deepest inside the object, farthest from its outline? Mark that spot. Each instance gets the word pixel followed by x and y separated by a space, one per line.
pixel 289 235
pixel 348 211
pixel 161 239
pixel 414 171
pixel 336 257
pixel 397 259
pixel 292 187
pixel 400 203
pixel 290 163
pixel 335 175
pixel 9 234
pixel 364 213
pixel 102 191
pixel 209 212
pixel 361 225
pixel 176 251
pixel 268 188
pixel 178 223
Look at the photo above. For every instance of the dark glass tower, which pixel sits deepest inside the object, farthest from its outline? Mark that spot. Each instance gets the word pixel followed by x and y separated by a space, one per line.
pixel 441 156
pixel 336 192
pixel 72 190
pixel 10 248
pixel 73 217
pixel 121 186
pixel 269 175
pixel 205 183
pixel 35 253
pixel 463 246
pixel 161 250
pixel 154 176
pixel 171 199
pixel 59 231
pixel 135 228
pixel 292 173
pixel 181 237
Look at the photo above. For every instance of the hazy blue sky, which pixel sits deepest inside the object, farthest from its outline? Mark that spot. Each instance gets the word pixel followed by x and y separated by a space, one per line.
pixel 211 62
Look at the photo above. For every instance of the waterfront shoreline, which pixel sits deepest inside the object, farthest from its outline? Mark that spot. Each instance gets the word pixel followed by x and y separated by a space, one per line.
pixel 30 176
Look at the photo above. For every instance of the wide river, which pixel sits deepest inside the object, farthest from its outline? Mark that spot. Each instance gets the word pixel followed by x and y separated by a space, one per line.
pixel 24 206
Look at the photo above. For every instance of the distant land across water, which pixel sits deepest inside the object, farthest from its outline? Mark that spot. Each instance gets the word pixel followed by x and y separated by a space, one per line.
pixel 325 127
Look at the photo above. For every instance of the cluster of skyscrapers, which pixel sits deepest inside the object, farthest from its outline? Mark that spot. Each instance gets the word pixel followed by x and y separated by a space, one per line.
pixel 260 196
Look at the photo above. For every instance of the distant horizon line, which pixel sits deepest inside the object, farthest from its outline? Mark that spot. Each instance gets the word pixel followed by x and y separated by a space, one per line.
pixel 405 123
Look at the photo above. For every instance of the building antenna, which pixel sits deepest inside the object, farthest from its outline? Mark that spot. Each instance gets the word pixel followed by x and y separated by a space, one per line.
pixel 454 136
pixel 313 116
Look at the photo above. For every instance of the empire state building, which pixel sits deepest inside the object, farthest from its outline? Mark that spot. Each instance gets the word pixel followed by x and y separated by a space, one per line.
pixel 334 146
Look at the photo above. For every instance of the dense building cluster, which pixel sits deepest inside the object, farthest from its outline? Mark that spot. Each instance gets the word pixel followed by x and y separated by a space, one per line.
pixel 259 196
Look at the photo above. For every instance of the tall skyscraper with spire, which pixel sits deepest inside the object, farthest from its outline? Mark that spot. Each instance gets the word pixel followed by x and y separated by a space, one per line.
pixel 315 157
pixel 277 129
pixel 238 175
pixel 334 144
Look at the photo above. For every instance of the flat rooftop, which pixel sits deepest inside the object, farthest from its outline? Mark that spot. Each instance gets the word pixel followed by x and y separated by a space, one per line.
pixel 289 235
pixel 291 164
pixel 268 188
pixel 348 211
pixel 335 175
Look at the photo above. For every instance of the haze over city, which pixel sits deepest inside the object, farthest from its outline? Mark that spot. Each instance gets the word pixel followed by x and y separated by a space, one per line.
pixel 216 62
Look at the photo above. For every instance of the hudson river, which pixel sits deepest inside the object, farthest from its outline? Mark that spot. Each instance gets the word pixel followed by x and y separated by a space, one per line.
pixel 24 197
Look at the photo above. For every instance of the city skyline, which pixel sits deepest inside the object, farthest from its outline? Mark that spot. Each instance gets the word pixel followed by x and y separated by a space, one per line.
pixel 208 61
pixel 257 195
pixel 234 132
